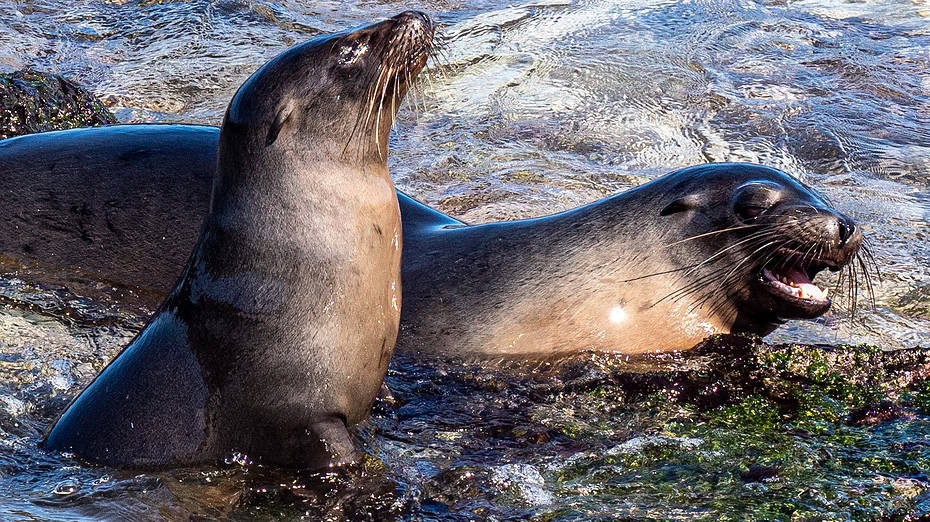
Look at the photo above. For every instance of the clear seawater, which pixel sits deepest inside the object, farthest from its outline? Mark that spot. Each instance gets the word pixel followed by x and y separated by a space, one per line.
pixel 531 108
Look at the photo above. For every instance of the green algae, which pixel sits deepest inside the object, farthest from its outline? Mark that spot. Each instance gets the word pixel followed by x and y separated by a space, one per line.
pixel 785 441
pixel 922 397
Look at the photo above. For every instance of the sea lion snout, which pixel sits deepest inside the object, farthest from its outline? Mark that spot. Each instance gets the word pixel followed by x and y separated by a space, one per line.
pixel 414 21
pixel 843 237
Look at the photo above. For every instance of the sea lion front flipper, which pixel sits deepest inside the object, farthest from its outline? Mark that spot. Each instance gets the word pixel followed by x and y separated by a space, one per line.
pixel 336 440
pixel 386 396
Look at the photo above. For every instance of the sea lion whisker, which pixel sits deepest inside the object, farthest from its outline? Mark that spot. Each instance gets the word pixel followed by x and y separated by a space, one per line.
pixel 691 287
pixel 689 268
pixel 417 94
pixel 868 280
pixel 762 234
pixel 757 239
pixel 711 233
pixel 369 102
pixel 394 103
pixel 714 291
pixel 414 94
pixel 809 256
pixel 866 247
pixel 654 274
pixel 751 255
pixel 722 307
pixel 442 59
pixel 854 291
pixel 428 78
pixel 848 290
pixel 694 285
pixel 749 240
pixel 377 77
pixel 377 134
pixel 445 63
pixel 855 296
pixel 840 280
pixel 373 92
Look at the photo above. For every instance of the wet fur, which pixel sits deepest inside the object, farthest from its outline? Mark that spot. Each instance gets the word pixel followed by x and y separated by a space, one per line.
pixel 469 288
pixel 277 336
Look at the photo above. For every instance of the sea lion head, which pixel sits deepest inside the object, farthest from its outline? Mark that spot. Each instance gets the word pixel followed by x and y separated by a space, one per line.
pixel 760 237
pixel 334 96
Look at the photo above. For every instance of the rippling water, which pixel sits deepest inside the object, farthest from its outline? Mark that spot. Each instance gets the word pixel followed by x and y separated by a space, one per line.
pixel 530 109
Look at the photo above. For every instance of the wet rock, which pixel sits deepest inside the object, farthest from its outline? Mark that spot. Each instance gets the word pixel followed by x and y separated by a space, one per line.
pixel 876 413
pixel 353 492
pixel 454 485
pixel 917 509
pixel 32 101
pixel 759 473
pixel 523 482
pixel 728 368
pixel 915 302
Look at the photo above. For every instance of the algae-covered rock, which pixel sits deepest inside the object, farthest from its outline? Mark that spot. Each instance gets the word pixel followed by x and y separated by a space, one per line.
pixel 734 429
pixel 32 101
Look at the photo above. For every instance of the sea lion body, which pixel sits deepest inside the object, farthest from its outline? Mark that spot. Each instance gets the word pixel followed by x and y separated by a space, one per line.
pixel 277 336
pixel 648 270
pixel 121 204
pixel 611 275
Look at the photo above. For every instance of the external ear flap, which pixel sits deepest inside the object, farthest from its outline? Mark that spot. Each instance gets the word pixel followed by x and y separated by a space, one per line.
pixel 689 202
pixel 280 120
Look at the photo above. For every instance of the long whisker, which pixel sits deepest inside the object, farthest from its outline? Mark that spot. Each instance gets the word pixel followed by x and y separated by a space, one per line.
pixel 868 280
pixel 731 229
pixel 680 293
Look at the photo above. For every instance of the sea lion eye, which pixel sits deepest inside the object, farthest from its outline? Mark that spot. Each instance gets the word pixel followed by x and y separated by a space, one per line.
pixel 752 199
pixel 749 211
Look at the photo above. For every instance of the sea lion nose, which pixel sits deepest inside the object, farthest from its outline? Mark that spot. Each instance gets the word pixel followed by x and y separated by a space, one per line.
pixel 414 18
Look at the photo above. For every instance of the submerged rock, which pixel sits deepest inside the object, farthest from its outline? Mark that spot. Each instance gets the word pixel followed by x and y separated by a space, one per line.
pixel 32 101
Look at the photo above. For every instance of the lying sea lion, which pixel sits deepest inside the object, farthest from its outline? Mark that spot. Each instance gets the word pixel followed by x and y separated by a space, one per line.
pixel 718 248
pixel 278 334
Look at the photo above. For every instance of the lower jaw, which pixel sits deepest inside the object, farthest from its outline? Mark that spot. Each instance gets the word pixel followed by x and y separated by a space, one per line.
pixel 789 308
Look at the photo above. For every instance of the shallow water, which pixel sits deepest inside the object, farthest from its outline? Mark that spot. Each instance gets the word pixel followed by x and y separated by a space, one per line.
pixel 530 109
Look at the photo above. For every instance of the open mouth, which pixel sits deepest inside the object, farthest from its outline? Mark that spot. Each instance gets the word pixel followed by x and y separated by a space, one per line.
pixel 793 279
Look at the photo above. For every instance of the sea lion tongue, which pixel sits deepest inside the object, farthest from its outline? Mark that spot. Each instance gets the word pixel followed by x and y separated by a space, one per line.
pixel 794 280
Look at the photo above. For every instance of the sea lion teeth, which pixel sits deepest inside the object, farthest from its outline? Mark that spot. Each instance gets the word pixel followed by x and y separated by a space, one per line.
pixel 811 291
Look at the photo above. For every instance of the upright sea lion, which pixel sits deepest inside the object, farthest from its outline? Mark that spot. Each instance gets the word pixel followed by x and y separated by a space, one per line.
pixel 655 268
pixel 278 334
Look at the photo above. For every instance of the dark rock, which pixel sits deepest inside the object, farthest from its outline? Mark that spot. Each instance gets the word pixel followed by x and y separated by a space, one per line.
pixel 919 511
pixel 876 413
pixel 759 473
pixel 32 101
